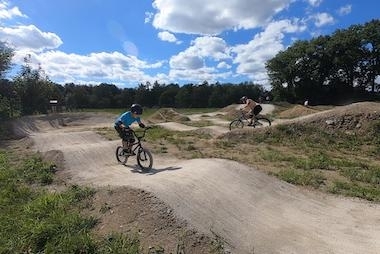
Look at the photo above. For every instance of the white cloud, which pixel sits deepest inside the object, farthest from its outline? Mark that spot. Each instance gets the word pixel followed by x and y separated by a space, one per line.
pixel 148 17
pixel 112 67
pixel 6 13
pixel 166 36
pixel 29 38
pixel 344 10
pixel 213 16
pixel 191 64
pixel 251 57
pixel 202 48
pixel 223 65
pixel 322 19
pixel 315 3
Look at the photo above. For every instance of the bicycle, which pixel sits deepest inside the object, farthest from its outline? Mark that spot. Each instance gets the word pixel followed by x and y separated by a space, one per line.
pixel 243 119
pixel 143 156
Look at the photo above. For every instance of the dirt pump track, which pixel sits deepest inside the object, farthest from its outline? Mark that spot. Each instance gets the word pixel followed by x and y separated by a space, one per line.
pixel 251 211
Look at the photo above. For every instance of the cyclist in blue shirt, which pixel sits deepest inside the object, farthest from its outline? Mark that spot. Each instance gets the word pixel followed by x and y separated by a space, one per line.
pixel 122 126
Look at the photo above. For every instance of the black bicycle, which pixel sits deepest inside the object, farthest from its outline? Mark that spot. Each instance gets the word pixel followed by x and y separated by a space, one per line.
pixel 244 120
pixel 143 156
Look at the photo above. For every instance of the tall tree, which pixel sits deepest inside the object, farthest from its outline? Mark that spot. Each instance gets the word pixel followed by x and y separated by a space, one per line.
pixel 6 54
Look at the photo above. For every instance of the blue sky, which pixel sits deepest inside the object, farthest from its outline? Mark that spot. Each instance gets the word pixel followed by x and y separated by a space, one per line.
pixel 127 42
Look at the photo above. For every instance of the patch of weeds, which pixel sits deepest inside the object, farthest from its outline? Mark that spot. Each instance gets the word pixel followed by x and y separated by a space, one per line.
pixel 371 193
pixel 156 250
pixel 272 155
pixel 201 123
pixel 163 149
pixel 218 244
pixel 33 220
pixel 306 178
pixel 190 147
pixel 35 170
pixel 319 160
pixel 366 174
pixel 225 144
pixel 105 207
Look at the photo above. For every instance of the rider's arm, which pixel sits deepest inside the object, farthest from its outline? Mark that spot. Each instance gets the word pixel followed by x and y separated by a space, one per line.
pixel 245 106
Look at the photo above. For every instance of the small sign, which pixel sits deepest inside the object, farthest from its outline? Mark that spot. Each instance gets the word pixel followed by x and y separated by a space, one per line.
pixel 53 101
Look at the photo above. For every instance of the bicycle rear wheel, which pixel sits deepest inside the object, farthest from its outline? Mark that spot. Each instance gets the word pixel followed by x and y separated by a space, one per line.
pixel 236 124
pixel 262 121
pixel 121 156
pixel 144 159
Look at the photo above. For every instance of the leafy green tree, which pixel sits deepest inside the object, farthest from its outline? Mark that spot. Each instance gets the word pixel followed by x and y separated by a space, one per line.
pixel 167 98
pixel 6 54
pixel 370 64
pixel 200 95
pixel 217 97
pixel 183 97
pixel 328 68
pixel 34 89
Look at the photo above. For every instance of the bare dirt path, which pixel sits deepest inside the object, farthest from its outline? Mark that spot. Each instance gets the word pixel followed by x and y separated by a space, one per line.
pixel 249 209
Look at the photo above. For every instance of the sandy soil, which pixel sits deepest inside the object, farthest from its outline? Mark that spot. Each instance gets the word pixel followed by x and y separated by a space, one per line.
pixel 251 211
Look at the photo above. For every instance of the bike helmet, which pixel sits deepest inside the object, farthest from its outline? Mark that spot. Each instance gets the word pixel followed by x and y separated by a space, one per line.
pixel 136 109
pixel 243 99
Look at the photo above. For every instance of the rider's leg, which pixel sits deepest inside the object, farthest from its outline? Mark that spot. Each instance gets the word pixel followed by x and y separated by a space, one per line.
pixel 125 144
pixel 251 116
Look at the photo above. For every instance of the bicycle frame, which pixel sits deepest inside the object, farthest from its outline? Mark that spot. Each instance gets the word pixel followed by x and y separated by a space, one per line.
pixel 143 156
pixel 245 117
pixel 139 138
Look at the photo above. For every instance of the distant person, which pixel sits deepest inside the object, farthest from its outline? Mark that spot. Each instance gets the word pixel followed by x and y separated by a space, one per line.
pixel 306 103
pixel 122 126
pixel 252 108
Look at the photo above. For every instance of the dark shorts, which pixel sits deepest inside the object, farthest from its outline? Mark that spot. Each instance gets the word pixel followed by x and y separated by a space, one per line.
pixel 125 135
pixel 256 110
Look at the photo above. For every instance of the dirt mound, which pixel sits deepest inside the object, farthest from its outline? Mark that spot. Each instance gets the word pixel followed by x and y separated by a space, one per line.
pixel 297 111
pixel 135 211
pixel 167 115
pixel 232 107
pixel 356 117
pixel 23 126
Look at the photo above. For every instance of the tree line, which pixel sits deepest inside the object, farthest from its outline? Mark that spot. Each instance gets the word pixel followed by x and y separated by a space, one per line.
pixel 31 92
pixel 329 68
pixel 326 69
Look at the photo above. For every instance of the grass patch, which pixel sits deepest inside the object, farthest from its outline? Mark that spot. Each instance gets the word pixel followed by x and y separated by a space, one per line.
pixel 305 178
pixel 371 193
pixel 34 220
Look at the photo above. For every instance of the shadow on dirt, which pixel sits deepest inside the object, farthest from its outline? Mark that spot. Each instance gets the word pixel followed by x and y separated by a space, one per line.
pixel 153 171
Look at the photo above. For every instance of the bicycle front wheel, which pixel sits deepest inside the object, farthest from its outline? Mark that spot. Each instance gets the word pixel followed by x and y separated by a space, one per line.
pixel 121 157
pixel 236 124
pixel 262 121
pixel 144 159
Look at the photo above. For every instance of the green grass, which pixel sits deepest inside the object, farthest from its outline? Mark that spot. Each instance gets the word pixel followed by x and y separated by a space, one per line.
pixel 371 193
pixel 33 220
pixel 305 178
pixel 335 161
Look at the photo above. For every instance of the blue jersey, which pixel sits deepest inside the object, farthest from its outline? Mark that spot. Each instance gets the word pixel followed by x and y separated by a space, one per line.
pixel 127 119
